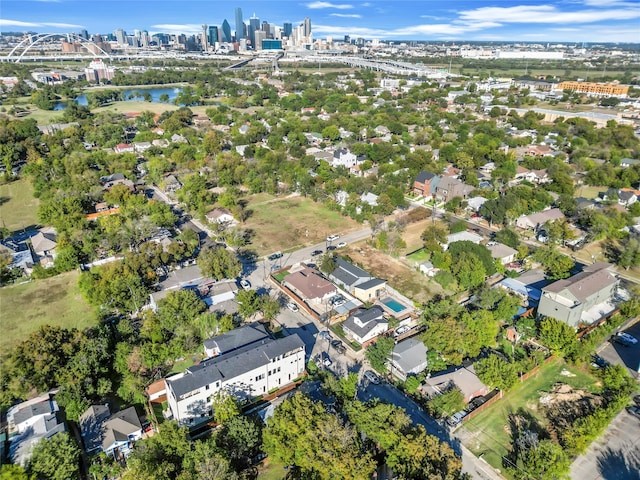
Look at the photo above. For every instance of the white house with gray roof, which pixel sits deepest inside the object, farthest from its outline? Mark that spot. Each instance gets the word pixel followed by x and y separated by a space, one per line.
pixel 409 357
pixel 348 276
pixel 245 373
pixel 234 339
pixel 365 324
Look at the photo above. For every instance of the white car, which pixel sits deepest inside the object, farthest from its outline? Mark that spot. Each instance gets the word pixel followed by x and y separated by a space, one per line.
pixel 292 306
pixel 333 238
pixel 245 284
pixel 342 244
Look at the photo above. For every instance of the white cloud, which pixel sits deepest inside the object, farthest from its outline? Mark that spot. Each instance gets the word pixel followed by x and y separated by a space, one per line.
pixel 5 22
pixel 337 6
pixel 177 28
pixel 545 14
pixel 345 15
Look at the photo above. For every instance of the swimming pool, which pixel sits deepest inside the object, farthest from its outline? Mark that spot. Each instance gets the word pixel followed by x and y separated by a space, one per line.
pixel 394 305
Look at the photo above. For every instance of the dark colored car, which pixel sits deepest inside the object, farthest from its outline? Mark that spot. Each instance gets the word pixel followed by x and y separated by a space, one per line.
pixel 315 253
pixel 275 256
pixel 331 247
pixel 339 347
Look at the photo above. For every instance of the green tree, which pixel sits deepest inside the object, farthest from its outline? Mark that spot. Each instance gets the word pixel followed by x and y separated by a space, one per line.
pixel 378 354
pixel 382 423
pixel 218 263
pixel 540 459
pixel 240 440
pixel 468 270
pixel 496 372
pixel 55 458
pixel 225 407
pixel 13 472
pixel 558 336
pixel 447 403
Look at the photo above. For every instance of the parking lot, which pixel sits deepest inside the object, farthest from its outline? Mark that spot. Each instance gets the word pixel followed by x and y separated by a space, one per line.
pixel 629 356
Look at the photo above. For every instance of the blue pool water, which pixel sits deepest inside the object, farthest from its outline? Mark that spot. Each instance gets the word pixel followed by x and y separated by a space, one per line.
pixel 394 305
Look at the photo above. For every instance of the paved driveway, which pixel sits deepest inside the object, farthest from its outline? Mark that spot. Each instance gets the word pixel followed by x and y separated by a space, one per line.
pixel 627 356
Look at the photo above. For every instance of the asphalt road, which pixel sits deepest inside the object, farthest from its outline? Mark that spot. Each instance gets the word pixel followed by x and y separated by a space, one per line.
pixel 623 355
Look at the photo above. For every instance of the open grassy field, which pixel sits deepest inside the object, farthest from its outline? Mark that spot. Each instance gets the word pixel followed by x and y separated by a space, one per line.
pixel 53 301
pixel 292 222
pixel 488 435
pixel 18 207
pixel 587 191
pixel 400 276
pixel 271 470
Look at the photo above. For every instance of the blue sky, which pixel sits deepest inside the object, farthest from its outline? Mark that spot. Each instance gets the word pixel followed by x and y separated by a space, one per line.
pixel 519 20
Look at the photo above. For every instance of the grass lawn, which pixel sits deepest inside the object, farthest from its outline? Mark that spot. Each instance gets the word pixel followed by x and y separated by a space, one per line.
pixel 587 191
pixel 418 257
pixel 270 470
pixel 488 435
pixel 52 301
pixel 293 222
pixel 18 206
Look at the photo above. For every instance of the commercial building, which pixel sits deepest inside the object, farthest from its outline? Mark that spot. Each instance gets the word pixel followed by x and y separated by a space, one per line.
pixel 596 89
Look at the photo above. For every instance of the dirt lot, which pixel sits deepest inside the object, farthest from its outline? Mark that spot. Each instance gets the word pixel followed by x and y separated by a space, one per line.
pixel 413 232
pixel 410 282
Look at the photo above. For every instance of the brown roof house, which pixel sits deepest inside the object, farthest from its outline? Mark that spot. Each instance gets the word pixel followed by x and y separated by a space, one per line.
pixel 582 298
pixel 464 378
pixel 310 285
pixel 450 187
pixel 44 245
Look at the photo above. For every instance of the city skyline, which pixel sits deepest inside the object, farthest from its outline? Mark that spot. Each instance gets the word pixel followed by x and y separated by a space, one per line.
pixel 473 20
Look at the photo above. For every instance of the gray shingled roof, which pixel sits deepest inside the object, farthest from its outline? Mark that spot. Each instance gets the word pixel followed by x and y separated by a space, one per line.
pixel 119 426
pixel 237 338
pixel 233 364
pixel 348 273
pixel 30 411
pixel 409 354
pixel 90 423
pixel 369 318
pixel 424 176
pixel 592 279
pixel 374 282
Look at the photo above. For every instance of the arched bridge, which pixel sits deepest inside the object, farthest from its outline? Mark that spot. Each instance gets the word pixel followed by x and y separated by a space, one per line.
pixel 21 49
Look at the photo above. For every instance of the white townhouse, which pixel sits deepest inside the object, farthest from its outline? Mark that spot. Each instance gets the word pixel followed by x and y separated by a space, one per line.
pixel 245 373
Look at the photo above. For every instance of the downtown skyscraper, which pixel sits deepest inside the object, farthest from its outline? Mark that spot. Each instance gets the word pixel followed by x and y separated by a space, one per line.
pixel 239 25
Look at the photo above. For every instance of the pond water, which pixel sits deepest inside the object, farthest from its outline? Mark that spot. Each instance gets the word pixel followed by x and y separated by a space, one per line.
pixel 135 94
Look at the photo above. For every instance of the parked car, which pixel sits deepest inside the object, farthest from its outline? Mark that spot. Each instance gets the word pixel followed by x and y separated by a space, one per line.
pixel 455 419
pixel 326 359
pixel 325 335
pixel 625 339
pixel 315 253
pixel 333 238
pixel 275 256
pixel 635 411
pixel 292 306
pixel 331 248
pixel 372 377
pixel 245 284
pixel 598 362
pixel 342 245
pixel 339 347
pixel 401 330
pixel 336 299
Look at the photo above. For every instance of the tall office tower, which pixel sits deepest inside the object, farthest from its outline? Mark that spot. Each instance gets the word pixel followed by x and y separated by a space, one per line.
pixel 254 25
pixel 213 36
pixel 307 27
pixel 120 36
pixel 347 39
pixel 84 34
pixel 144 39
pixel 239 25
pixel 204 38
pixel 259 36
pixel 226 32
pixel 287 28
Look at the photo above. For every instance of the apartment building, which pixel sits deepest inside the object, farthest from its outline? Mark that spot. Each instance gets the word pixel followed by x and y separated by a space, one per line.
pixel 598 89
pixel 245 373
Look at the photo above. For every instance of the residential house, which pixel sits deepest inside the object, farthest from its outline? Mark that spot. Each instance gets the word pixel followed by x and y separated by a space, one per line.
pixel 370 290
pixel 171 184
pixel 527 286
pixel 111 181
pixel 449 187
pixel 533 176
pixel 474 203
pixel 624 196
pixel 234 339
pixel 44 245
pixel 428 269
pixel 141 147
pixel 409 357
pixel 629 162
pixel 21 256
pixel 464 378
pixel 160 142
pixel 422 183
pixel 365 324
pixel 343 157
pixel 29 422
pixel 124 148
pixel 571 299
pixel 244 373
pixel 221 216
pixel 539 150
pixel 348 275
pixel 309 285
pixel 90 423
pixel 462 236
pixel 120 431
pixel 370 199
pixel 177 138
pixel 502 252
pixel 536 220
